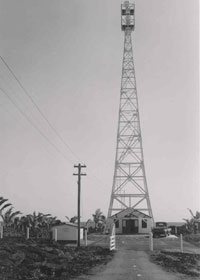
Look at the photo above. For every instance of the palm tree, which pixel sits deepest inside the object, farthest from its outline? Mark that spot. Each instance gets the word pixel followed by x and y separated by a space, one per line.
pixel 52 221
pixel 99 219
pixel 17 224
pixel 102 223
pixel 8 216
pixel 73 219
pixel 3 204
pixel 23 223
pixel 193 224
pixel 39 224
pixel 87 223
pixel 67 218
pixel 31 221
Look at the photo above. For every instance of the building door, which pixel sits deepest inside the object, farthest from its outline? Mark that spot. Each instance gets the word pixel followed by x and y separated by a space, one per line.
pixel 130 226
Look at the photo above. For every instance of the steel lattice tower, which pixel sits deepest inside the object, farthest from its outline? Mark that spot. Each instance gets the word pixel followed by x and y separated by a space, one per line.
pixel 129 188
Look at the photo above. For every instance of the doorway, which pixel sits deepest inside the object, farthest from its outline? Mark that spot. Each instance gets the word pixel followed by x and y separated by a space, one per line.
pixel 129 226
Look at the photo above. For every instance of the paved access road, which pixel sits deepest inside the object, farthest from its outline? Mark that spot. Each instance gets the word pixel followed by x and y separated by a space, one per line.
pixel 131 260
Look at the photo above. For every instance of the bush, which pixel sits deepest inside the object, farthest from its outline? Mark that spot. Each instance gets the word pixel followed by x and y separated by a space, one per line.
pixel 192 238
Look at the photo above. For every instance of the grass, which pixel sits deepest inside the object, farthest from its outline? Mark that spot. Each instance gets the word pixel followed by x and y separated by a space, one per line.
pixel 193 239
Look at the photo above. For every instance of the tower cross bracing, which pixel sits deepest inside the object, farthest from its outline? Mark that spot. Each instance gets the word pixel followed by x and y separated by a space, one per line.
pixel 129 188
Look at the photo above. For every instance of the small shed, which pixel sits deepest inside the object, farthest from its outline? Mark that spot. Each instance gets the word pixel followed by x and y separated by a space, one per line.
pixel 131 221
pixel 67 232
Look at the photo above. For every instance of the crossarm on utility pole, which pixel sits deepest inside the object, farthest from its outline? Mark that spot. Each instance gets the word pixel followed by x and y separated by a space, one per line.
pixel 79 174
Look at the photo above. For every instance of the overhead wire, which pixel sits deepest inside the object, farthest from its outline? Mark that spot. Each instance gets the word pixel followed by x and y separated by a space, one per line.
pixel 7 84
pixel 33 125
pixel 45 118
pixel 38 108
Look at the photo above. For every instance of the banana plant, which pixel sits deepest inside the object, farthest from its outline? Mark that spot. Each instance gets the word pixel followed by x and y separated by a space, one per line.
pixel 9 216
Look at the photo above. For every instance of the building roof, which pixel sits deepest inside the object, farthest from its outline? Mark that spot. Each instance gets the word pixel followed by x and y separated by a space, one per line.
pixel 130 211
pixel 66 225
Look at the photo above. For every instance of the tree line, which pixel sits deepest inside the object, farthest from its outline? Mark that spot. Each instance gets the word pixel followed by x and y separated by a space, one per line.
pixel 39 224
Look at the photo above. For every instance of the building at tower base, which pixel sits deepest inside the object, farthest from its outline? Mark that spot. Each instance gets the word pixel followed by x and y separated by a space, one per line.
pixel 129 195
pixel 130 221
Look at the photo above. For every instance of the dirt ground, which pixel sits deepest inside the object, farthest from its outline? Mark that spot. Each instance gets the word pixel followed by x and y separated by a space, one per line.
pixel 185 263
pixel 45 260
pixel 28 260
pixel 133 261
pixel 129 265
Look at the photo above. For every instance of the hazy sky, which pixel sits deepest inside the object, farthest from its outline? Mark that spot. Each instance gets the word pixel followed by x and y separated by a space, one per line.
pixel 68 56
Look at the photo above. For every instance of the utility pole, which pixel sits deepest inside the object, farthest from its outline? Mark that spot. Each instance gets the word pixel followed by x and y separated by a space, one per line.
pixel 79 174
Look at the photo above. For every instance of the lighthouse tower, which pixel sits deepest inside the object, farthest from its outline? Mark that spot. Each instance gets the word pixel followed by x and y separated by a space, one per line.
pixel 129 189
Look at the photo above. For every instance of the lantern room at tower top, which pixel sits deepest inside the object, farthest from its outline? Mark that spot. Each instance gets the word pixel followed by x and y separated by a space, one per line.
pixel 127 16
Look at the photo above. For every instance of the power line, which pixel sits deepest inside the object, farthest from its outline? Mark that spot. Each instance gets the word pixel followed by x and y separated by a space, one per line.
pixel 30 121
pixel 46 138
pixel 44 117
pixel 38 108
pixel 7 85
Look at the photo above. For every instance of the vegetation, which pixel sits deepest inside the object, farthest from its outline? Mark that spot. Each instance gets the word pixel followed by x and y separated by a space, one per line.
pixel 193 224
pixel 3 205
pixel 99 220
pixel 9 216
pixel 40 257
pixel 39 224
pixel 187 264
pixel 73 220
pixel 28 259
pixel 193 238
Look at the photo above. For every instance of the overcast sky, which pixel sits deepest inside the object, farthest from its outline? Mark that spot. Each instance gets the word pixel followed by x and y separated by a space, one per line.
pixel 68 56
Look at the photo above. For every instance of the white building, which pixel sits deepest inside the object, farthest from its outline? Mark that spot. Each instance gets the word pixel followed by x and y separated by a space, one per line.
pixel 130 221
pixel 66 232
